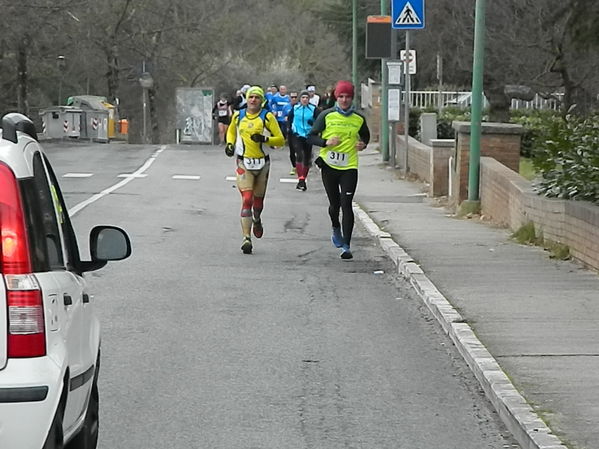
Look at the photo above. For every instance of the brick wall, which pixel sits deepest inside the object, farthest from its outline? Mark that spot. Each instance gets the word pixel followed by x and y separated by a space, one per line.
pixel 500 141
pixel 510 200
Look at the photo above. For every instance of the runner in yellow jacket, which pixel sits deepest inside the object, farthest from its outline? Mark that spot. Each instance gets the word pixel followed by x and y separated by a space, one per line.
pixel 342 133
pixel 251 130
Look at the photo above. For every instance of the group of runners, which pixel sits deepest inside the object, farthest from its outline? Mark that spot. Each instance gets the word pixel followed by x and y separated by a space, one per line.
pixel 262 120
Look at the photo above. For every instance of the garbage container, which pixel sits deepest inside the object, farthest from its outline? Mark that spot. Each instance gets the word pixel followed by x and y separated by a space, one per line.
pixel 61 121
pixel 97 125
pixel 99 116
pixel 124 126
pixel 111 120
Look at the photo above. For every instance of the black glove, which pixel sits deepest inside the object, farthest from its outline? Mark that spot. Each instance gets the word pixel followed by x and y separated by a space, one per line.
pixel 229 149
pixel 258 138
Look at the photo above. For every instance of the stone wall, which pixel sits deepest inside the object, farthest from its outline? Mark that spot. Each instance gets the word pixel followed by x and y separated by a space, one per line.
pixel 419 156
pixel 510 200
pixel 441 151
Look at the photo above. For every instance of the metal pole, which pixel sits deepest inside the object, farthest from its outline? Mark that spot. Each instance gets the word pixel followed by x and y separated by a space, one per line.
pixel 477 100
pixel 144 102
pixel 407 102
pixel 393 136
pixel 384 131
pixel 61 64
pixel 145 105
pixel 440 80
pixel 354 68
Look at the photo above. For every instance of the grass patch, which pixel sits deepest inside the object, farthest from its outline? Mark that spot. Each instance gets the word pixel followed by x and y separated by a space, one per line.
pixel 527 235
pixel 527 169
pixel 557 251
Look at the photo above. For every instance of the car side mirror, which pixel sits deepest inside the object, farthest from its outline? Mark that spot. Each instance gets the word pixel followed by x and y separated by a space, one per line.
pixel 109 243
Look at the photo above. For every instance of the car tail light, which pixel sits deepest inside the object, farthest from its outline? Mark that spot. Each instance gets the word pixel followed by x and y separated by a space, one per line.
pixel 26 330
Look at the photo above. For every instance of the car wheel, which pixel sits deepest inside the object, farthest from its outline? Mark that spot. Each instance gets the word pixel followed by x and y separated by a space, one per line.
pixel 87 437
pixel 54 440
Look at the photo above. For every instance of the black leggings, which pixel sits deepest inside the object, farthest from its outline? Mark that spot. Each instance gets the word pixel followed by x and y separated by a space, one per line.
pixel 303 150
pixel 340 186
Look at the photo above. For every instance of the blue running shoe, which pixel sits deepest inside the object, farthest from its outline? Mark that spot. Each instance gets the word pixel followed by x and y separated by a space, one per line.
pixel 346 253
pixel 337 238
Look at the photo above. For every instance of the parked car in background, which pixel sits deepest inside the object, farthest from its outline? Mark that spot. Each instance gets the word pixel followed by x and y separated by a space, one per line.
pixel 49 331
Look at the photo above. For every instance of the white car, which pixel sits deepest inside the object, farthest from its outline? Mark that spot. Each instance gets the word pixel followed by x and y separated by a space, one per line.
pixel 49 332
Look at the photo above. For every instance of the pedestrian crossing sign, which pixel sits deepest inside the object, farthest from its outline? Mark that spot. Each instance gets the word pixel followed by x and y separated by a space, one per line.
pixel 407 14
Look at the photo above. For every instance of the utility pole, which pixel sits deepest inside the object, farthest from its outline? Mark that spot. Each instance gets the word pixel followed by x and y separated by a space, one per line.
pixel 61 64
pixel 477 102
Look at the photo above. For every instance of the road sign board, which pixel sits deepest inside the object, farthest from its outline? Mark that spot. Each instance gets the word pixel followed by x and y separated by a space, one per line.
pixel 409 60
pixel 407 14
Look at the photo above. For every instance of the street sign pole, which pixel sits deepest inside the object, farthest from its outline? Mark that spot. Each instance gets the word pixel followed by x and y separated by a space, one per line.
pixel 393 123
pixel 384 131
pixel 407 103
pixel 407 15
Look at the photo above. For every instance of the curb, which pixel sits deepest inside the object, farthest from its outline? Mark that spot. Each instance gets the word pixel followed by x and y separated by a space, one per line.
pixel 518 416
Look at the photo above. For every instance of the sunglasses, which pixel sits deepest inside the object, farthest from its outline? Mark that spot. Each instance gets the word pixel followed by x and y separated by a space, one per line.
pixel 293 96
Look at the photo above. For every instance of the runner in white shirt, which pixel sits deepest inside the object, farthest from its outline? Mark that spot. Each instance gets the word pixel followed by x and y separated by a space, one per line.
pixel 314 97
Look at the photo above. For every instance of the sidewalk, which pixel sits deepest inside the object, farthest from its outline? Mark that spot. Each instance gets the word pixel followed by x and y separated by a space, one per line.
pixel 537 318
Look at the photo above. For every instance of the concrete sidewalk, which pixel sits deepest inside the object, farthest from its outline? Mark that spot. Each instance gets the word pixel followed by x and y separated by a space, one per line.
pixel 537 318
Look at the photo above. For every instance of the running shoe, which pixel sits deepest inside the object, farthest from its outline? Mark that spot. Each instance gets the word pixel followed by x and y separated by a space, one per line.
pixel 337 238
pixel 246 246
pixel 346 253
pixel 292 171
pixel 301 185
pixel 258 229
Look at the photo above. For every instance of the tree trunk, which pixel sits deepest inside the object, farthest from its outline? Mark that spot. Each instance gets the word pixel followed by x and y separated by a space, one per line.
pixel 154 128
pixel 22 82
pixel 112 77
pixel 499 102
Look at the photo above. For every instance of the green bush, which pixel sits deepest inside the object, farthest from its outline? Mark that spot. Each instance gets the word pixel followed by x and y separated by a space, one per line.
pixel 567 157
pixel 447 117
pixel 414 122
pixel 535 123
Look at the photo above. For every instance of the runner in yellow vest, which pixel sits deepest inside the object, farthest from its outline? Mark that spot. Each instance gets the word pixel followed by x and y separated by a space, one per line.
pixel 249 131
pixel 341 132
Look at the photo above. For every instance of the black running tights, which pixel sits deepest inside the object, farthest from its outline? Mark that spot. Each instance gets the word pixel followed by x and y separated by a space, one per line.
pixel 340 186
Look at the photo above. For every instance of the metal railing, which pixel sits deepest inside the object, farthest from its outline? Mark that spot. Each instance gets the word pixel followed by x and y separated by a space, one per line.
pixel 463 99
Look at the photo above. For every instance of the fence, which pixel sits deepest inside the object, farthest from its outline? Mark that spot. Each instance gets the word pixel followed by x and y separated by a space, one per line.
pixel 435 99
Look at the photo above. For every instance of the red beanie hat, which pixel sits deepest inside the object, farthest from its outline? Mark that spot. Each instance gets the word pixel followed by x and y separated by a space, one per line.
pixel 344 87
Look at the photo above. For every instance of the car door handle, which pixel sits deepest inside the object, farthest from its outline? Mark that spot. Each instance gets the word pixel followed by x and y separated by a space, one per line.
pixel 85 298
pixel 68 301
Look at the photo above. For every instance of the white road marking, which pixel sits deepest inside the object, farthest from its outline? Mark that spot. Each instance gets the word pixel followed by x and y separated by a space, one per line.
pixel 288 180
pixel 231 178
pixel 118 185
pixel 191 177
pixel 132 175
pixel 77 175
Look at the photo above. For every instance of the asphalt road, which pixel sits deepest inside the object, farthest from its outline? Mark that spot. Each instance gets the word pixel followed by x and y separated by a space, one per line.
pixel 290 347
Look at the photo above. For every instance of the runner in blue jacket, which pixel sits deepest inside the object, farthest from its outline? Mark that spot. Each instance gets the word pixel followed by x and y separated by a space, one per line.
pixel 301 118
